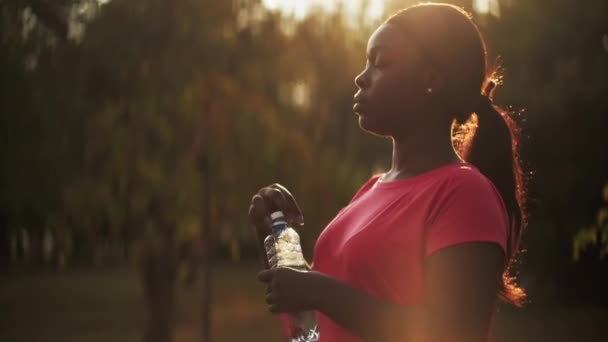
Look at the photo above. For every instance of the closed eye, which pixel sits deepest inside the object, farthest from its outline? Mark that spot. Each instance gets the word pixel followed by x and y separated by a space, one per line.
pixel 380 63
pixel 376 57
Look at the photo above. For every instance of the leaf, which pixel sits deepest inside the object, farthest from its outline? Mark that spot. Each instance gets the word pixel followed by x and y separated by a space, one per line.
pixel 602 217
pixel 582 240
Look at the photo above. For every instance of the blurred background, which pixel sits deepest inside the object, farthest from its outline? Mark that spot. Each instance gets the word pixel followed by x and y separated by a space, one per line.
pixel 134 133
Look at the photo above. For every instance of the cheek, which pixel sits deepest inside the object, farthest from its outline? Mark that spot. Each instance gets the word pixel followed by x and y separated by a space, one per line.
pixel 399 95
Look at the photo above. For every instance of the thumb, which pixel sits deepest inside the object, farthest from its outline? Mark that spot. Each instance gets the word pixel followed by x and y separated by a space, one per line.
pixel 266 276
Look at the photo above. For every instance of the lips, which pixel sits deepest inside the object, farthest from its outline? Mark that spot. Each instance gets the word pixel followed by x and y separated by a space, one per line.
pixel 359 107
pixel 360 104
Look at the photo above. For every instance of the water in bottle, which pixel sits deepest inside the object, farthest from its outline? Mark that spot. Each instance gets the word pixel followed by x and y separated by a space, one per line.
pixel 283 249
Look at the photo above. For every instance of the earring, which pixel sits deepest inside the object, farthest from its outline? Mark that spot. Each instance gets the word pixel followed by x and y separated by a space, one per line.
pixel 429 90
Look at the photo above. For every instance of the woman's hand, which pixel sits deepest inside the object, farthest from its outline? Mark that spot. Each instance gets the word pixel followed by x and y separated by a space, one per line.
pixel 290 290
pixel 269 199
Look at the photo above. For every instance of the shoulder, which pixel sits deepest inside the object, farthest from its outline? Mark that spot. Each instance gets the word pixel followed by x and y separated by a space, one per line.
pixel 466 207
pixel 465 179
pixel 465 187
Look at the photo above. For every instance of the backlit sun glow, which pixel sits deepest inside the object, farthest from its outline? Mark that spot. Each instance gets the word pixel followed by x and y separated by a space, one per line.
pixel 299 8
pixel 375 8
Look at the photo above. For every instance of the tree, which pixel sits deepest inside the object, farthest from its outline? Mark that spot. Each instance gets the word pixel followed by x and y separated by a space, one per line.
pixel 32 139
pixel 594 236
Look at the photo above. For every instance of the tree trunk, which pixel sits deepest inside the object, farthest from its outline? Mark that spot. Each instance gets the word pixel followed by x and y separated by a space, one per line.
pixel 5 247
pixel 22 242
pixel 36 247
pixel 206 260
pixel 159 275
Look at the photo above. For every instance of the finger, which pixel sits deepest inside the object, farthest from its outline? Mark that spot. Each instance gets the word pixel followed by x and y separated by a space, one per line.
pixel 274 309
pixel 266 276
pixel 271 299
pixel 258 210
pixel 259 215
pixel 294 213
pixel 274 199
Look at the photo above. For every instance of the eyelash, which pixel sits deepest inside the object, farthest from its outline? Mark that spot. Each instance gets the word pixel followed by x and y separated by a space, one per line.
pixel 375 63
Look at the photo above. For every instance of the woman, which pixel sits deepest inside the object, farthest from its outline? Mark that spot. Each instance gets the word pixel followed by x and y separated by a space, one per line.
pixel 422 252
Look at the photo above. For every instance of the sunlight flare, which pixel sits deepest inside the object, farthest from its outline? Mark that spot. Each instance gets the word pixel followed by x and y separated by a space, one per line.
pixel 487 7
pixel 300 8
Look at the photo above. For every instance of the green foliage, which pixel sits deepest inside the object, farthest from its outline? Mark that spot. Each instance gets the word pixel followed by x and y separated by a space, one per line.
pixel 153 86
pixel 595 235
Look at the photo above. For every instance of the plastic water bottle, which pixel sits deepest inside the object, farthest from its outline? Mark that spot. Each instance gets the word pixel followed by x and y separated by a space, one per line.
pixel 283 249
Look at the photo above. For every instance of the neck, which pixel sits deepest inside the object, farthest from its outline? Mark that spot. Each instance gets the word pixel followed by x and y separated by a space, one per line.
pixel 413 155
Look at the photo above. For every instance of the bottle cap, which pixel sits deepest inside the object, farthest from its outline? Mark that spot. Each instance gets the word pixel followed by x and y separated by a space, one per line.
pixel 276 215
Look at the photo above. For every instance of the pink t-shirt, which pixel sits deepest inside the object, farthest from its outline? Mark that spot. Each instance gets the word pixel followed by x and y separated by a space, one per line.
pixel 378 242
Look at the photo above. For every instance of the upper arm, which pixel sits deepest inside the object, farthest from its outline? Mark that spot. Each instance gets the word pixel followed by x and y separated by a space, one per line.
pixel 470 209
pixel 465 252
pixel 461 286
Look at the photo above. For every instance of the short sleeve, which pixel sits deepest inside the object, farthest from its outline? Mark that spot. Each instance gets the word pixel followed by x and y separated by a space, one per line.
pixel 469 209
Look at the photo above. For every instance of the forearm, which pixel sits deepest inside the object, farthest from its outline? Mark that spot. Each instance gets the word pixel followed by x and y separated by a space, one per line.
pixel 373 319
pixel 366 317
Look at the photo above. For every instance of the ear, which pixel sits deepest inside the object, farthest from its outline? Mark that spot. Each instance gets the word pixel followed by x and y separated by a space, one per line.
pixel 434 80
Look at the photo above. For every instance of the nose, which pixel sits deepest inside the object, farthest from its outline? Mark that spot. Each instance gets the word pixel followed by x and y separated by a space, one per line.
pixel 362 80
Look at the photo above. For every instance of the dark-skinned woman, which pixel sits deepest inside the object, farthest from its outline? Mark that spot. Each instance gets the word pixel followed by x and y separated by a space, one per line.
pixel 422 252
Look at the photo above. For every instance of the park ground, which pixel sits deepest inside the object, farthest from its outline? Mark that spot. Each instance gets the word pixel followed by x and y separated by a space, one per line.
pixel 107 305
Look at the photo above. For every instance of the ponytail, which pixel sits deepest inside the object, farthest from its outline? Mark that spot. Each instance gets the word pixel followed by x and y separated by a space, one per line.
pixel 494 150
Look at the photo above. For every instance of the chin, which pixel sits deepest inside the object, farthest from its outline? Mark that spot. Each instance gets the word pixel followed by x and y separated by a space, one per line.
pixel 373 127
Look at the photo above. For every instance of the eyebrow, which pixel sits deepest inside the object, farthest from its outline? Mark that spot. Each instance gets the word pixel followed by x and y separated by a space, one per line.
pixel 374 50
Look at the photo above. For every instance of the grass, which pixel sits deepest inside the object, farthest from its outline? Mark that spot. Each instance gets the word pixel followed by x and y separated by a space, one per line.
pixel 107 305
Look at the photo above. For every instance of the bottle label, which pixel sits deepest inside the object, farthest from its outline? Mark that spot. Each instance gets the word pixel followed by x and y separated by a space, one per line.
pixel 278 226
